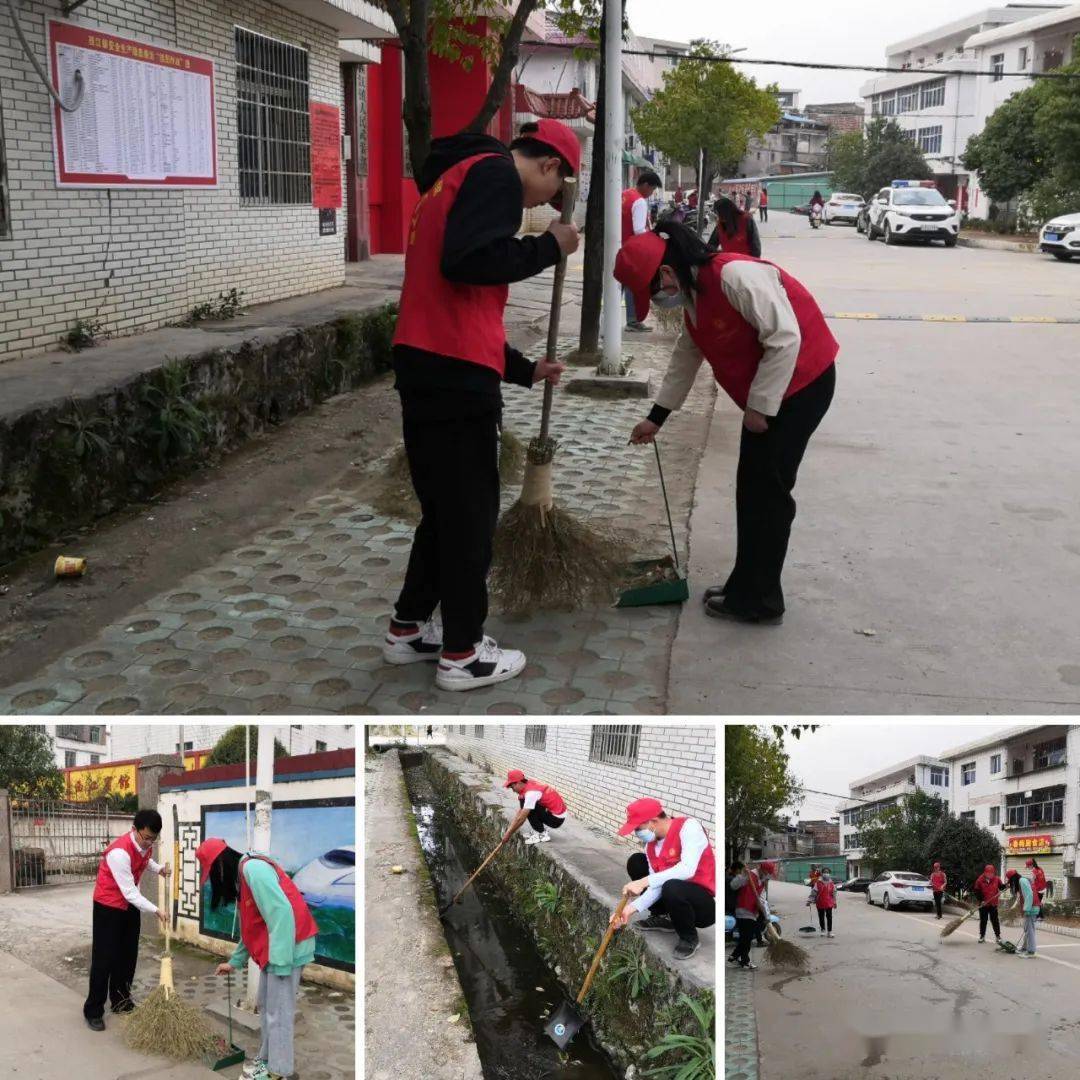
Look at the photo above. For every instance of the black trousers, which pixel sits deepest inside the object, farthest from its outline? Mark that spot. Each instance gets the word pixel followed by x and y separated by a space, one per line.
pixel 824 918
pixel 744 930
pixel 763 213
pixel 113 957
pixel 939 898
pixel 991 913
pixel 764 507
pixel 689 906
pixel 539 817
pixel 452 445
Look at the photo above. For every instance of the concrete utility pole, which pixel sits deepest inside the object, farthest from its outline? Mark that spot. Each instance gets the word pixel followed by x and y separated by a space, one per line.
pixel 611 359
pixel 264 803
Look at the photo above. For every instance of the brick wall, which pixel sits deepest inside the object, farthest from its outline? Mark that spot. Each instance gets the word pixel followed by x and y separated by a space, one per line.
pixel 136 260
pixel 675 764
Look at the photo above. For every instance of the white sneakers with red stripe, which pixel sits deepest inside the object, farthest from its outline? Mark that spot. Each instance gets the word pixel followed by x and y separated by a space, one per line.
pixel 424 643
pixel 486 665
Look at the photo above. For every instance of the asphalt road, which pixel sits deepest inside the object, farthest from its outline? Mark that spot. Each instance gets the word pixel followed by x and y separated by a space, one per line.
pixel 934 557
pixel 887 998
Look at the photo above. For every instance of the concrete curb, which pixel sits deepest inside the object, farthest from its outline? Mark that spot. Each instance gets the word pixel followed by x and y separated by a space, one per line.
pixel 997 245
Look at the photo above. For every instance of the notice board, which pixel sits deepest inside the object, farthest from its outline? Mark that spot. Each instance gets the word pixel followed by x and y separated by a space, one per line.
pixel 146 118
pixel 325 156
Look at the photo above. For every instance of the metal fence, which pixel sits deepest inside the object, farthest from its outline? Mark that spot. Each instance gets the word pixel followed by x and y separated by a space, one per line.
pixel 58 843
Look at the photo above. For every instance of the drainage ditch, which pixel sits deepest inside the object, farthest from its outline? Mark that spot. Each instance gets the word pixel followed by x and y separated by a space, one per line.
pixel 509 988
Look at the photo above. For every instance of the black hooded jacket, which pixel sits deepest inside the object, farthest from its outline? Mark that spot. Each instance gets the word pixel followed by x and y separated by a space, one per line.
pixel 480 247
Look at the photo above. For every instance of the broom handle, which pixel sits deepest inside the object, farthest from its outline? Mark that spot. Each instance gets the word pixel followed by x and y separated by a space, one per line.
pixel 479 871
pixel 600 952
pixel 667 505
pixel 569 201
pixel 161 907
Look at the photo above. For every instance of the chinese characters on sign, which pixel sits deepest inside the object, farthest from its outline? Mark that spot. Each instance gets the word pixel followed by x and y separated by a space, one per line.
pixel 1031 845
pixel 146 117
pixel 325 156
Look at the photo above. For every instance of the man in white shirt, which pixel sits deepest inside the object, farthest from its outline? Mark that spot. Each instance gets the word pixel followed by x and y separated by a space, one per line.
pixel 635 220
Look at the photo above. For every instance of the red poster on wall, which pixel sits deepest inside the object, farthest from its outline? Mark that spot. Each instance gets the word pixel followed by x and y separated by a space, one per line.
pixel 325 156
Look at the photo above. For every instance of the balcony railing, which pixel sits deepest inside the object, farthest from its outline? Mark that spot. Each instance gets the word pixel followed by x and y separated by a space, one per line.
pixel 1057 764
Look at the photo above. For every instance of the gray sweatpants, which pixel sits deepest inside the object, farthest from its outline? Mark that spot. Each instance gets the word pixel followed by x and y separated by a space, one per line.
pixel 277 1011
pixel 1029 933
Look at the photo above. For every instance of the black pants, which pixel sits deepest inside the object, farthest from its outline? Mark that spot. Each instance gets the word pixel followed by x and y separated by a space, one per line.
pixel 113 957
pixel 759 926
pixel 764 508
pixel 452 445
pixel 744 937
pixel 689 906
pixel 824 918
pixel 539 817
pixel 939 898
pixel 991 913
pixel 763 213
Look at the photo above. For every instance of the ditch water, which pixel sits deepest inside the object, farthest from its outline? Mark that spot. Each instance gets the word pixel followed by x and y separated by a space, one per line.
pixel 509 988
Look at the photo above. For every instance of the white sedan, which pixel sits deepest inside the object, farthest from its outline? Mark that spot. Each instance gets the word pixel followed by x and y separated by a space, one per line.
pixel 897 887
pixel 843 207
pixel 1060 237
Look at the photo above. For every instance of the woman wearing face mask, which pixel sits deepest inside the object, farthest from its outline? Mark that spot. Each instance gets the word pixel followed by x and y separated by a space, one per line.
pixel 823 897
pixel 769 347
pixel 674 879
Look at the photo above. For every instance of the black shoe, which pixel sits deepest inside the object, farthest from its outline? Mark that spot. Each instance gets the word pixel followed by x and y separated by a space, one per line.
pixel 713 592
pixel 95 1023
pixel 733 960
pixel 686 948
pixel 748 966
pixel 124 1006
pixel 718 609
pixel 656 922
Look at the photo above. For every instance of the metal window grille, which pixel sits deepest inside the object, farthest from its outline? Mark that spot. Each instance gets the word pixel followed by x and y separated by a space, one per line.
pixel 461 729
pixel 57 843
pixel 478 731
pixel 535 736
pixel 272 121
pixel 76 732
pixel 617 744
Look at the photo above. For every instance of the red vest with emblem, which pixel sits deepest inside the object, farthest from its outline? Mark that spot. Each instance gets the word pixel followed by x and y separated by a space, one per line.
pixel 731 345
pixel 989 889
pixel 441 316
pixel 550 799
pixel 671 853
pixel 749 893
pixel 253 930
pixel 825 894
pixel 629 197
pixel 937 880
pixel 739 244
pixel 106 891
pixel 1038 880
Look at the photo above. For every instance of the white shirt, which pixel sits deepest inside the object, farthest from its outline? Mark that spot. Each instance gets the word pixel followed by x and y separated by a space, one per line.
pixel 120 864
pixel 532 798
pixel 639 215
pixel 694 843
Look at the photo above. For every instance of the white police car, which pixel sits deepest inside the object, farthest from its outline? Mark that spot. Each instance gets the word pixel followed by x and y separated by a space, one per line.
pixel 912 210
pixel 1060 236
pixel 842 206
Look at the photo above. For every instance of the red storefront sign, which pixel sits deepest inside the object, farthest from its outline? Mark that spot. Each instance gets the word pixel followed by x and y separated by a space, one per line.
pixel 146 117
pixel 1031 845
pixel 325 156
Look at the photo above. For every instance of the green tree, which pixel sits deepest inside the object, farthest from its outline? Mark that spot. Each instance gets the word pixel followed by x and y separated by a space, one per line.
pixel 27 766
pixel 896 838
pixel 963 848
pixel 1057 121
pixel 1008 153
pixel 865 162
pixel 229 749
pixel 757 785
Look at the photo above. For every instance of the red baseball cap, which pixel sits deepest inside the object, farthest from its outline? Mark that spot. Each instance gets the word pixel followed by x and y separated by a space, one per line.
pixel 560 138
pixel 937 866
pixel 206 853
pixel 514 776
pixel 1030 862
pixel 988 871
pixel 636 265
pixel 638 812
pixel 1010 873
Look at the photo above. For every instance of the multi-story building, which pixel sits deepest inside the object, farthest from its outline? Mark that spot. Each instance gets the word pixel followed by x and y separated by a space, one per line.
pixel 825 835
pixel 1021 784
pixel 839 116
pixel 77 744
pixel 797 143
pixel 138 740
pixel 887 787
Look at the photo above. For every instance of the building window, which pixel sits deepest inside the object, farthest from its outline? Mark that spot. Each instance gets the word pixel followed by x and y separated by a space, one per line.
pixel 69 759
pixel 930 139
pixel 910 134
pixel 1052 59
pixel 939 776
pixel 320 746
pixel 909 100
pixel 888 104
pixel 932 94
pixel 95 735
pixel 967 774
pixel 478 731
pixel 997 66
pixel 1049 754
pixel 1022 58
pixel 461 729
pixel 5 206
pixel 995 815
pixel 1046 806
pixel 967 815
pixel 273 130
pixel 95 759
pixel 536 736
pixel 995 764
pixel 616 744
pixel 940 56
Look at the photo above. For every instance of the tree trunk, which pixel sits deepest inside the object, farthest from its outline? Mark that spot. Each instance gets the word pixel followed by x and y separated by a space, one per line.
pixel 508 58
pixel 416 108
pixel 592 286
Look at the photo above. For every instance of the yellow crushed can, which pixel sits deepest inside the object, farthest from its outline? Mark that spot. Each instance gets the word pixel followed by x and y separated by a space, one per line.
pixel 67 566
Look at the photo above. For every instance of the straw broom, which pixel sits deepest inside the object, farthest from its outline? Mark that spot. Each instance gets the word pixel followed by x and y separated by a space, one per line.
pixel 543 556
pixel 954 924
pixel 780 952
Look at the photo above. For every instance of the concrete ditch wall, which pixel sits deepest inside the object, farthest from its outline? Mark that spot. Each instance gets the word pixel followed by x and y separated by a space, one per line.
pixel 638 995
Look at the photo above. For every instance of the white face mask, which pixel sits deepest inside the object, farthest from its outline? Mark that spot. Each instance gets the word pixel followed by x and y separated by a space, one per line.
pixel 646 836
pixel 667 300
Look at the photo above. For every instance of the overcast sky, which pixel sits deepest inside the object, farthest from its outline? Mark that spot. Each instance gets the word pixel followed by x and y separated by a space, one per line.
pixel 790 30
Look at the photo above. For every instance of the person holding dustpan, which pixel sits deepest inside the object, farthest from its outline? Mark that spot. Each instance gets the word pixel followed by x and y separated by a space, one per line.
pixel 277 931
pixel 450 359
pixel 772 352
pixel 674 879
pixel 118 905
pixel 541 806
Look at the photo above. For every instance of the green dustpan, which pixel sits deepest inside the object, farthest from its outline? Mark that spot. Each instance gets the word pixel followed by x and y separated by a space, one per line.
pixel 231 1054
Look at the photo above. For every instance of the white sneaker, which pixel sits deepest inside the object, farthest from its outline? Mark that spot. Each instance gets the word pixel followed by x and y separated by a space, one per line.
pixel 486 665
pixel 254 1070
pixel 829 934
pixel 424 644
pixel 539 838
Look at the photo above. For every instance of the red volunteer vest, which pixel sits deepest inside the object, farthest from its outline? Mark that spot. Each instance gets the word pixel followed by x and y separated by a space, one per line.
pixel 253 930
pixel 704 874
pixel 989 890
pixel 739 244
pixel 763 198
pixel 1038 880
pixel 747 898
pixel 550 799
pixel 106 891
pixel 937 880
pixel 825 894
pixel 730 343
pixel 441 316
pixel 629 197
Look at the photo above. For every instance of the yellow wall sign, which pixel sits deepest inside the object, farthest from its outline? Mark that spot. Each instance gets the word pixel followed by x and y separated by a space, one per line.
pixel 84 783
pixel 1031 845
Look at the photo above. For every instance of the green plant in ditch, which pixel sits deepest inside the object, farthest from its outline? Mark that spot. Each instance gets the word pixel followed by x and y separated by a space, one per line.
pixel 545 897
pixel 84 334
pixel 691 1056
pixel 631 970
pixel 87 436
pixel 174 426
pixel 227 306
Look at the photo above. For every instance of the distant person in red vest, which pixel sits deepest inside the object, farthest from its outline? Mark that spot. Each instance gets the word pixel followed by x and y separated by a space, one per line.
pixel 988 888
pixel 451 358
pixel 541 806
pixel 751 904
pixel 763 203
pixel 938 881
pixel 770 349
pixel 735 231
pixel 674 879
pixel 276 931
pixel 823 897
pixel 118 905
pixel 635 221
pixel 1038 882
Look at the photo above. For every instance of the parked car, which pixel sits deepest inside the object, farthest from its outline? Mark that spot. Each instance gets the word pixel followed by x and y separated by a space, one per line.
pixel 910 210
pixel 895 888
pixel 855 884
pixel 863 218
pixel 841 206
pixel 802 208
pixel 1060 237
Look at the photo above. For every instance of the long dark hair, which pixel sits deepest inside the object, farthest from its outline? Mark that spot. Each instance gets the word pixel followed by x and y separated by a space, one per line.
pixel 225 879
pixel 683 251
pixel 1035 865
pixel 1014 884
pixel 728 215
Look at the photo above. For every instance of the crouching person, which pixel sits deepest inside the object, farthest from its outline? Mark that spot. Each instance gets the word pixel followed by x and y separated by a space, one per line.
pixel 674 879
pixel 276 931
pixel 541 806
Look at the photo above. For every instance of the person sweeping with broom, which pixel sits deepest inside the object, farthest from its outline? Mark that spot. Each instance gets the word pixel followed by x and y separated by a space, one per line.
pixel 541 806
pixel 770 349
pixel 938 881
pixel 450 358
pixel 823 897
pixel 118 905
pixel 277 931
pixel 1021 887
pixel 988 888
pixel 748 904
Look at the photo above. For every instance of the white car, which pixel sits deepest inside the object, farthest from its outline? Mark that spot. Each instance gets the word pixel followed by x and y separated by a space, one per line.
pixel 911 210
pixel 843 207
pixel 896 887
pixel 1060 236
